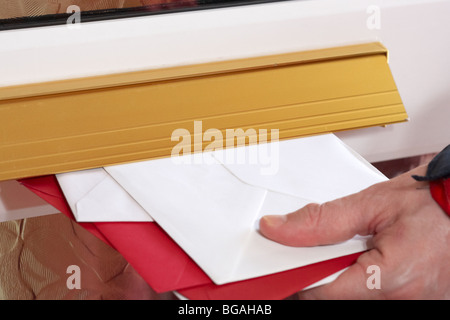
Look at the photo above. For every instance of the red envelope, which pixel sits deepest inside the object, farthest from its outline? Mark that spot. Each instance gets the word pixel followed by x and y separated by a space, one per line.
pixel 166 267
pixel 153 254
pixel 272 287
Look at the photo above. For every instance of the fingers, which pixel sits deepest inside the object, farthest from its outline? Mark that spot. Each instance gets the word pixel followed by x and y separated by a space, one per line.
pixel 348 286
pixel 362 213
pixel 328 223
pixel 355 283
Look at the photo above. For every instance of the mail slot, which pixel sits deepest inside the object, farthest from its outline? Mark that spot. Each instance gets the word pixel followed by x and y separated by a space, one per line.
pixel 77 124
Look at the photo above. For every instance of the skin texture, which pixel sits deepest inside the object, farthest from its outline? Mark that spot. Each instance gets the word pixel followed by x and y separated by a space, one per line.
pixel 411 237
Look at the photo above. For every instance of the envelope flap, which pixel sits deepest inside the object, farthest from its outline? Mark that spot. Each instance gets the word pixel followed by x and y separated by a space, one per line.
pixel 94 195
pixel 317 169
pixel 76 185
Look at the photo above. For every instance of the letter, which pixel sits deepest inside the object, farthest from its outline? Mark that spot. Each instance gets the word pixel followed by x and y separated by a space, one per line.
pixel 251 309
pixel 208 311
pixel 225 309
pixel 260 310
pixel 267 309
pixel 240 136
pixel 198 142
pixel 183 147
pixel 273 158
pixel 216 144
pixel 180 310
pixel 253 156
pixel 374 281
pixel 234 309
pixel 198 136
pixel 74 281
pixel 73 22
pixel 374 20
pixel 191 310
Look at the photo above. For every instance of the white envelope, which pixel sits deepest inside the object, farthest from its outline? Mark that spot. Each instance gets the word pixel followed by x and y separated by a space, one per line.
pixel 94 196
pixel 211 207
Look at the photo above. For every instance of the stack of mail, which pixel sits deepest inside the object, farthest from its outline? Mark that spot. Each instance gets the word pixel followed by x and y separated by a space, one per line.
pixel 209 205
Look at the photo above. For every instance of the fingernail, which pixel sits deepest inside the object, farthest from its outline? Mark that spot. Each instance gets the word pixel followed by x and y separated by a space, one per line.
pixel 274 221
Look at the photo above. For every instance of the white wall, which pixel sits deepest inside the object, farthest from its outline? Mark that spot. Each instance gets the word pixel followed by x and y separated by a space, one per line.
pixel 417 33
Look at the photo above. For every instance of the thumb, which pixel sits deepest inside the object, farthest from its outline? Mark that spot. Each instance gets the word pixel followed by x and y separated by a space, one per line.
pixel 323 224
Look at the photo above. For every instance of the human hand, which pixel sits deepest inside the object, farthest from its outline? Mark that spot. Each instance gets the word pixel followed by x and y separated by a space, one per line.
pixel 411 240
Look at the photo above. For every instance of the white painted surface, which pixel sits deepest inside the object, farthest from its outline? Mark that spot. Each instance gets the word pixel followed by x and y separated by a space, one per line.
pixel 416 32
pixel 17 202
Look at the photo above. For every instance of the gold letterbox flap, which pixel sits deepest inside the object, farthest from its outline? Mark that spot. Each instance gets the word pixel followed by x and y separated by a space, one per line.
pixel 77 124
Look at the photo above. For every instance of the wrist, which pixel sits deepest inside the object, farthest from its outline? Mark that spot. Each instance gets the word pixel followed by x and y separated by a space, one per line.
pixel 440 191
pixel 438 176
